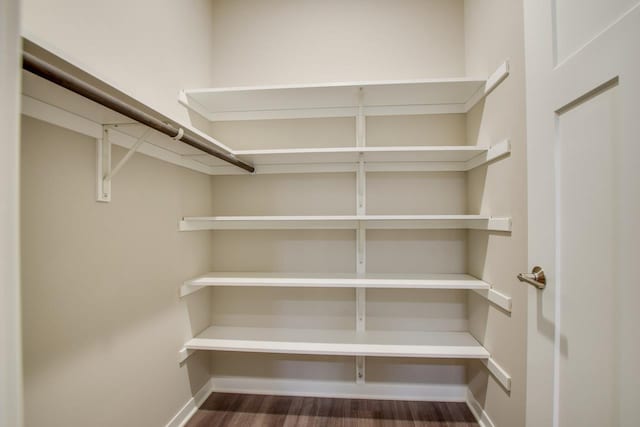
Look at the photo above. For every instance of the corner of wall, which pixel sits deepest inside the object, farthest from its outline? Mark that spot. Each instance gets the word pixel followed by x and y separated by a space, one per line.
pixel 492 35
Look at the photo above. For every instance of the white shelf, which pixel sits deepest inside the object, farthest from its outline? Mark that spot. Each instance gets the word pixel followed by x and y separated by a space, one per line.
pixel 399 97
pixel 459 345
pixel 351 222
pixel 376 159
pixel 342 280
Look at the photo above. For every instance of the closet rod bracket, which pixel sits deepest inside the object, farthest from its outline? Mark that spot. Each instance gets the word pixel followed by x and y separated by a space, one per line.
pixel 104 171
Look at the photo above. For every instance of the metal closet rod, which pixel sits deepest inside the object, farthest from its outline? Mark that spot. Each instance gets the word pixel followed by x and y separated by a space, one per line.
pixel 66 80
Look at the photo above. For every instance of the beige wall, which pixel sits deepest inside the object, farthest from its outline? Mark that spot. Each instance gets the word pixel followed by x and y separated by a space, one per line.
pixel 148 49
pixel 494 33
pixel 290 41
pixel 101 314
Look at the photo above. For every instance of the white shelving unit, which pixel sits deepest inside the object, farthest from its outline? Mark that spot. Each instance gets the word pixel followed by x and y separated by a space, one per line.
pixel 376 159
pixel 343 280
pixel 360 99
pixel 351 222
pixel 342 99
pixel 459 345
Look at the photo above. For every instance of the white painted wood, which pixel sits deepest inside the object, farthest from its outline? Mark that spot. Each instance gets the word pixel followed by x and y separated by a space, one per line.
pixel 382 110
pixel 494 152
pixel 331 99
pixel 492 82
pixel 439 166
pixel 184 354
pixel 123 161
pixel 152 150
pixel 477 410
pixel 190 408
pixel 461 153
pixel 103 166
pixel 314 160
pixel 459 345
pixel 501 300
pixel 582 151
pixel 325 280
pixel 340 389
pixel 376 159
pixel 498 373
pixel 51 114
pixel 476 222
pixel 429 96
pixel 11 400
pixel 361 238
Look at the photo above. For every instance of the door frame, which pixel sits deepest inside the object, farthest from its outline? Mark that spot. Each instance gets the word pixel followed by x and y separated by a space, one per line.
pixel 10 330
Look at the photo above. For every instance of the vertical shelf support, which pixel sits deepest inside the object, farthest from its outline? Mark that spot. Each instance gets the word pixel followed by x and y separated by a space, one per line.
pixel 361 298
pixel 361 237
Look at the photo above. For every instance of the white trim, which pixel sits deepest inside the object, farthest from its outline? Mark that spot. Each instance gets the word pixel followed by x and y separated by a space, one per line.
pixel 341 280
pixel 498 373
pixel 316 113
pixel 340 342
pixel 319 100
pixel 184 354
pixel 501 300
pixel 435 166
pixel 340 389
pixel 57 116
pixel 346 222
pixel 190 408
pixel 492 82
pixel 477 411
pixel 494 152
pixel 11 381
pixel 332 389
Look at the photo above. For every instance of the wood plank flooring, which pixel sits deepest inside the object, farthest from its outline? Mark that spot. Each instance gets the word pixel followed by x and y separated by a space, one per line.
pixel 249 410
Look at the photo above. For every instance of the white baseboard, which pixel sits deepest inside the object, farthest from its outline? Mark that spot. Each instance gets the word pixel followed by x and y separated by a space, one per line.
pixel 341 389
pixel 478 411
pixel 337 389
pixel 190 408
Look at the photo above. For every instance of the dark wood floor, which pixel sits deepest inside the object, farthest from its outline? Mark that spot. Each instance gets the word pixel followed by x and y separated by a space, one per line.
pixel 244 410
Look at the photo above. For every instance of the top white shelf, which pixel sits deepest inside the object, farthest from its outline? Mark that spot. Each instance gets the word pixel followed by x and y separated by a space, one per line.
pixel 399 97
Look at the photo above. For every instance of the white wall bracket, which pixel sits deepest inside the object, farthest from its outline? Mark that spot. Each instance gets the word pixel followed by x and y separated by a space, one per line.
pixel 103 165
pixel 494 152
pixel 492 82
pixel 497 298
pixel 104 172
pixel 184 353
pixel 498 373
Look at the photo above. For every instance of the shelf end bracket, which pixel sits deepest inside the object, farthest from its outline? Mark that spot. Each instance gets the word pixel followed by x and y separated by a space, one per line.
pixel 183 354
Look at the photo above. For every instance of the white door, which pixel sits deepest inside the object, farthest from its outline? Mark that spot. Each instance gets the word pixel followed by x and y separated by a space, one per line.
pixel 583 126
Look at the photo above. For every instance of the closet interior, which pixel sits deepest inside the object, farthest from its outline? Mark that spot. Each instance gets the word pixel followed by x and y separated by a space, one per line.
pixel 338 238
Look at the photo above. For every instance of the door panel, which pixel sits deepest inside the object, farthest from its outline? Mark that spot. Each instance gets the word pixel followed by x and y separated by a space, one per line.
pixel 585 186
pixel 583 151
pixel 578 21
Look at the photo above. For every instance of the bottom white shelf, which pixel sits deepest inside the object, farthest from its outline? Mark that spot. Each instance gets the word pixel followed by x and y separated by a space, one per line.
pixel 458 345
